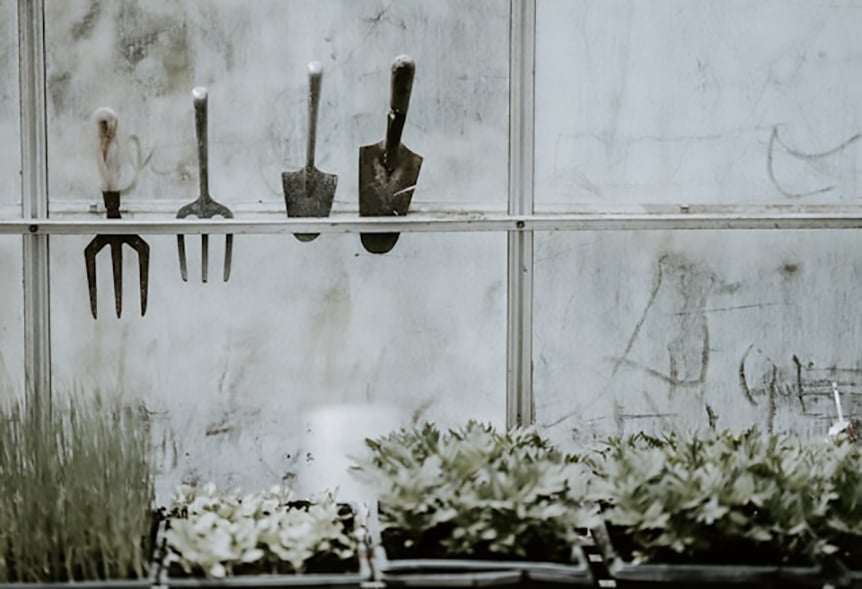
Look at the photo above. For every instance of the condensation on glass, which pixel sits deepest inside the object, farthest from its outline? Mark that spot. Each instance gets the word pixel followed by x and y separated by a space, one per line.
pixel 657 330
pixel 230 373
pixel 675 102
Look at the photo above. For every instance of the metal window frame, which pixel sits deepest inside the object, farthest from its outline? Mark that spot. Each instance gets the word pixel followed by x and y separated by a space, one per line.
pixel 34 202
pixel 520 222
pixel 741 218
pixel 519 322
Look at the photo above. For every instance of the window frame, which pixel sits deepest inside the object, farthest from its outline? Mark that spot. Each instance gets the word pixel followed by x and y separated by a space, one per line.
pixel 519 223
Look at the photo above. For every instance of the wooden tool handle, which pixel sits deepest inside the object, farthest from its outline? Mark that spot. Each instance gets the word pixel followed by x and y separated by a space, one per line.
pixel 315 73
pixel 200 98
pixel 111 198
pixel 108 156
pixel 403 71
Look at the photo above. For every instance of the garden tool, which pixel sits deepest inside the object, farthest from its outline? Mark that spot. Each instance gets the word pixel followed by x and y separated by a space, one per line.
pixel 388 170
pixel 205 207
pixel 309 192
pixel 109 166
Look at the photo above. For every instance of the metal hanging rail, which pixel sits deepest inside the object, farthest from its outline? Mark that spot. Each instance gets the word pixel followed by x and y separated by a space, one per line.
pixel 842 219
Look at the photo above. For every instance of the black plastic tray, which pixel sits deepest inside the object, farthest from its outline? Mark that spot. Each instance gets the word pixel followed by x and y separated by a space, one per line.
pixel 340 580
pixel 855 579
pixel 628 574
pixel 314 580
pixel 108 584
pixel 456 572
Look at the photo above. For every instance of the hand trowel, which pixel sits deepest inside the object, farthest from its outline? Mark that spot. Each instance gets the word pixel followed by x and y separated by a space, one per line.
pixel 309 192
pixel 388 170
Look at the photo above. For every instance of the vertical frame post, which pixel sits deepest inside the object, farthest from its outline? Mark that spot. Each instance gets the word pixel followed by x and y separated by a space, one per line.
pixel 34 201
pixel 519 345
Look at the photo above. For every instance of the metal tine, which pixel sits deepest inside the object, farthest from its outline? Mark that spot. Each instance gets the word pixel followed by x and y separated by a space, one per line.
pixel 117 263
pixel 204 207
pixel 181 248
pixel 228 254
pixel 96 244
pixel 205 256
pixel 143 248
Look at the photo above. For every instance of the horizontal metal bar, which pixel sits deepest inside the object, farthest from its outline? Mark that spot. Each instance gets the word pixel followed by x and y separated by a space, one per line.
pixel 442 223
pixel 166 206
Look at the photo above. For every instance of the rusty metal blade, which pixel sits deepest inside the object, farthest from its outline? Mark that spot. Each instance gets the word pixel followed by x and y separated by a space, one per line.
pixel 385 189
pixel 308 193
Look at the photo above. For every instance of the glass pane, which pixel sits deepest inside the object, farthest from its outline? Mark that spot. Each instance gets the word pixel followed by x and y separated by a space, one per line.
pixel 11 302
pixel 10 156
pixel 231 373
pixel 11 318
pixel 648 331
pixel 143 58
pixel 680 101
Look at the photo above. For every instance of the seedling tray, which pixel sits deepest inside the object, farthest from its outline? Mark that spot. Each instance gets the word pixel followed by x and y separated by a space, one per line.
pixel 855 579
pixel 312 580
pixel 339 579
pixel 731 576
pixel 439 572
pixel 108 584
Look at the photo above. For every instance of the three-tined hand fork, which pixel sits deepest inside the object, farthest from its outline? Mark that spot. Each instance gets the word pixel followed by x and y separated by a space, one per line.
pixel 106 121
pixel 205 206
pixel 112 203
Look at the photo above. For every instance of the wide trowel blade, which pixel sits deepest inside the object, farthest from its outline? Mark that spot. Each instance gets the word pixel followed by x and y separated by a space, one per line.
pixel 308 193
pixel 385 192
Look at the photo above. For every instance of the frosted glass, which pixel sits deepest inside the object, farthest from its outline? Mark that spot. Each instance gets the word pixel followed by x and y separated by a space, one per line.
pixel 691 101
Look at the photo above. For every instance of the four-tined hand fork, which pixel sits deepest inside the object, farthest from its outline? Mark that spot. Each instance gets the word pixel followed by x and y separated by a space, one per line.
pixel 205 206
pixel 109 167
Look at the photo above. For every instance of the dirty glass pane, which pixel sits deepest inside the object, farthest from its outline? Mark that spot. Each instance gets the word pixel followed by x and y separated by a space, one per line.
pixel 691 101
pixel 649 331
pixel 11 318
pixel 231 373
pixel 10 152
pixel 143 58
pixel 11 302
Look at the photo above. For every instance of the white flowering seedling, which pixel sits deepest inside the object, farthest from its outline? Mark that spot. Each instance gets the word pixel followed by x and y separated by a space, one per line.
pixel 218 534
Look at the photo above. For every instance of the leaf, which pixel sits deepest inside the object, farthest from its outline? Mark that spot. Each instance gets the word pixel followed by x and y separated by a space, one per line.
pixel 711 511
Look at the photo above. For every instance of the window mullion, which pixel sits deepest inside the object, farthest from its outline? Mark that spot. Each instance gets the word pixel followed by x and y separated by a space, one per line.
pixel 34 200
pixel 519 360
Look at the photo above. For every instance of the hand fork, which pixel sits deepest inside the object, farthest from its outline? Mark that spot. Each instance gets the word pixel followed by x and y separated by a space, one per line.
pixel 205 207
pixel 109 169
pixel 112 203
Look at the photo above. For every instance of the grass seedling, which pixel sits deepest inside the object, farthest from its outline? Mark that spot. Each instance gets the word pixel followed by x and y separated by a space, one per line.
pixel 78 495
